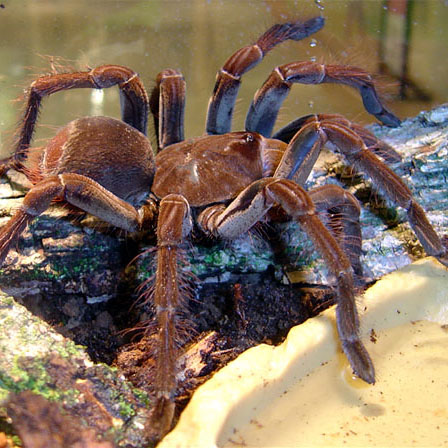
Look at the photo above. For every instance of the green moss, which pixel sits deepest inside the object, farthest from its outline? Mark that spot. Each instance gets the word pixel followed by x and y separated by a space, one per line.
pixel 56 269
pixel 126 410
pixel 59 269
pixel 69 349
pixel 143 397
pixel 7 301
pixel 16 441
pixel 31 375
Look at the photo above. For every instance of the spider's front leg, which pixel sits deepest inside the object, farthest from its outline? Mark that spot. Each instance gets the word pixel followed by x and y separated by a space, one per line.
pixel 373 144
pixel 305 147
pixel 269 98
pixel 339 211
pixel 228 78
pixel 252 204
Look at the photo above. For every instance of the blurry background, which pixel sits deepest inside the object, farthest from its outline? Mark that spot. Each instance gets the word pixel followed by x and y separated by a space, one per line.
pixel 404 40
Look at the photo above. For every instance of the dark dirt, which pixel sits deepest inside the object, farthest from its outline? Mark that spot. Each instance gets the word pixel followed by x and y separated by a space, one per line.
pixel 253 309
pixel 225 318
pixel 238 316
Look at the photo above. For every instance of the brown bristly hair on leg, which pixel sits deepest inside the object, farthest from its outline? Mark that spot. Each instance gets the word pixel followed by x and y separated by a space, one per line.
pixel 148 328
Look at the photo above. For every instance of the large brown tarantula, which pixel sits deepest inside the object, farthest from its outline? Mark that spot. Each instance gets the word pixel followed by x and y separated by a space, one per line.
pixel 222 183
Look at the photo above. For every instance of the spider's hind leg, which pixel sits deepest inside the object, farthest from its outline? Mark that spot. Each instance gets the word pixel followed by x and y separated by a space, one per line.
pixel 77 190
pixel 167 103
pixel 133 99
pixel 174 224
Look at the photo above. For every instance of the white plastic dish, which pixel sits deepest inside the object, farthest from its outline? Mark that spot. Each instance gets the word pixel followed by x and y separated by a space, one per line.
pixel 302 393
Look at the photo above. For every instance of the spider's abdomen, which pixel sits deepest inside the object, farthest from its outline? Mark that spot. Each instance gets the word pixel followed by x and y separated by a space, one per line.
pixel 109 151
pixel 208 169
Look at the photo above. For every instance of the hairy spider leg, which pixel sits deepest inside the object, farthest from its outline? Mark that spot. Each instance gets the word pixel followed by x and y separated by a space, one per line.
pixel 133 99
pixel 304 148
pixel 339 211
pixel 252 204
pixel 268 99
pixel 80 191
pixel 167 103
pixel 377 146
pixel 174 224
pixel 228 78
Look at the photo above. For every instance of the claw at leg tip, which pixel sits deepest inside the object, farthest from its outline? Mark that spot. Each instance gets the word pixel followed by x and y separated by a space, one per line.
pixel 359 360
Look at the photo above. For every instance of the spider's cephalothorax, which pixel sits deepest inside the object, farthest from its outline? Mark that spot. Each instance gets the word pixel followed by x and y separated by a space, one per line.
pixel 223 182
